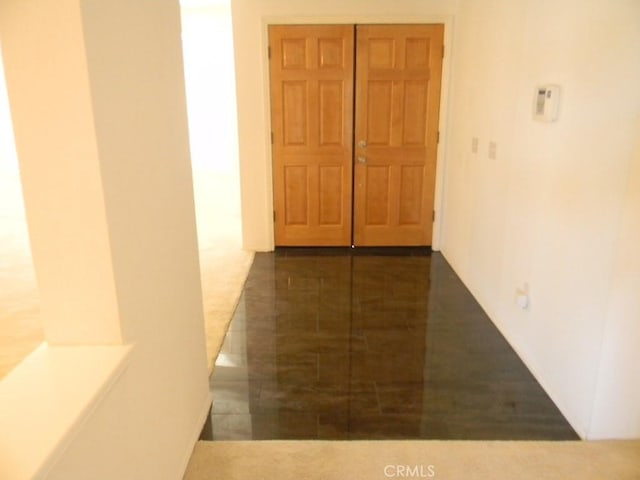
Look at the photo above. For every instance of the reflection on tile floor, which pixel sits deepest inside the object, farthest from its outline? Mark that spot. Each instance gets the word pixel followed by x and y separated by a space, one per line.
pixel 332 344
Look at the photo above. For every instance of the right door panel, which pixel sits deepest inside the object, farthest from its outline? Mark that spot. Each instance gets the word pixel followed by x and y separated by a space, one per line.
pixel 398 79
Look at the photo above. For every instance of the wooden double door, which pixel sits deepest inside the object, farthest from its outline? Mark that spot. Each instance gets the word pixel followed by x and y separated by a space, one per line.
pixel 354 115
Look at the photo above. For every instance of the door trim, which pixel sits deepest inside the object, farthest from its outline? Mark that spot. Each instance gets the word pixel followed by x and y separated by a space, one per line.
pixel 446 20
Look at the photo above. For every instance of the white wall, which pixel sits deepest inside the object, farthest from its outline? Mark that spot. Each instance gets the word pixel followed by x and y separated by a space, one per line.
pixel 53 154
pixel 547 211
pixel 8 158
pixel 250 18
pixel 99 111
pixel 213 133
pixel 207 40
pixel 15 255
pixel 618 394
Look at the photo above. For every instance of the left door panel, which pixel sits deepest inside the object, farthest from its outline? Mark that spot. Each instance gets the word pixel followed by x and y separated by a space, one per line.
pixel 311 70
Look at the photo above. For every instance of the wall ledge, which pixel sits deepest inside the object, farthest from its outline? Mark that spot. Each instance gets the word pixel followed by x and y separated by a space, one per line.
pixel 45 400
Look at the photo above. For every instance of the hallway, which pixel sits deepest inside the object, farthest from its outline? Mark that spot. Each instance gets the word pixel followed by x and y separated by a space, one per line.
pixel 370 344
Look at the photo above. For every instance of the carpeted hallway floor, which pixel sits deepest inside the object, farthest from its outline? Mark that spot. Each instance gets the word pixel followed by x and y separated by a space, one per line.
pixel 446 460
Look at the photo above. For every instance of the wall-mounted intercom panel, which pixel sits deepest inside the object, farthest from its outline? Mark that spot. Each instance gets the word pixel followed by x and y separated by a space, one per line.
pixel 546 103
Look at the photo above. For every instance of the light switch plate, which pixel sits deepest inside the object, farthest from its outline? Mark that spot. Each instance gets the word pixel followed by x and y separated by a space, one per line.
pixel 474 145
pixel 492 150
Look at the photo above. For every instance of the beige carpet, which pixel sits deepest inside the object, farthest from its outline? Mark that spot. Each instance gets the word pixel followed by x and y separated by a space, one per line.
pixel 224 265
pixel 223 271
pixel 446 460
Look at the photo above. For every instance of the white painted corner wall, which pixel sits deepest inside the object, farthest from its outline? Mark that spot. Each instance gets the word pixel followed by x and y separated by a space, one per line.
pixel 557 211
pixel 98 105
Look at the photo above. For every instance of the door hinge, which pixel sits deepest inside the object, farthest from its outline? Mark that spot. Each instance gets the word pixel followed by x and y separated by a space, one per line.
pixel 437 140
pixel 433 216
pixel 271 138
pixel 269 52
pixel 274 216
pixel 442 51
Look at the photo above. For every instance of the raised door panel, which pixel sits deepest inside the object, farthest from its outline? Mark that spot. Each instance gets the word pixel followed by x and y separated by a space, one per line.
pixel 311 69
pixel 398 75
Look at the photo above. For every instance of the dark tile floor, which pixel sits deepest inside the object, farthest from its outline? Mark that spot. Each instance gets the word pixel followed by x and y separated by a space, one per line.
pixel 370 344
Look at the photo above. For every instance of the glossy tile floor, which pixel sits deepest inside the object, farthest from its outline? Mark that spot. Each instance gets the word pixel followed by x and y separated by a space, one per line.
pixel 373 344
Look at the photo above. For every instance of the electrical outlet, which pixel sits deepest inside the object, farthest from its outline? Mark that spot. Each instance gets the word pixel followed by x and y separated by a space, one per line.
pixel 523 300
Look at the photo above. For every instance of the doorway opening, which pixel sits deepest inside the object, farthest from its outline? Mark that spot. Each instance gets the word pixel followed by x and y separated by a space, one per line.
pixel 210 90
pixel 211 108
pixel 20 326
pixel 209 69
